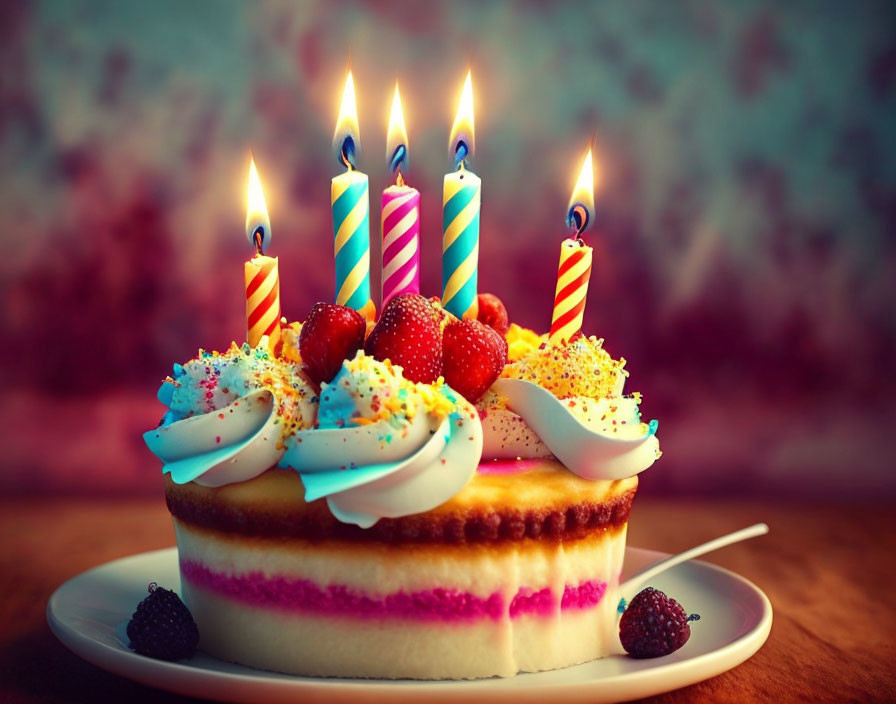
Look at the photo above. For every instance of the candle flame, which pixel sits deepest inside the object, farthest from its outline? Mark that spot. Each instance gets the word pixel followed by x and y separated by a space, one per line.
pixel 461 140
pixel 397 137
pixel 581 203
pixel 258 224
pixel 347 137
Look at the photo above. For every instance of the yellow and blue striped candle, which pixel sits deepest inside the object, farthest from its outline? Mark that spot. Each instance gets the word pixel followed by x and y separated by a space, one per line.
pixel 460 242
pixel 351 244
pixel 460 216
pixel 350 201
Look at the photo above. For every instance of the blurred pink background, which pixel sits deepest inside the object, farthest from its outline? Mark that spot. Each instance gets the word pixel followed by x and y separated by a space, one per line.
pixel 745 259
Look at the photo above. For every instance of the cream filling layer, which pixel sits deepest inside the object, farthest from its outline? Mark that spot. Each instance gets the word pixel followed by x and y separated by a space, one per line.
pixel 307 644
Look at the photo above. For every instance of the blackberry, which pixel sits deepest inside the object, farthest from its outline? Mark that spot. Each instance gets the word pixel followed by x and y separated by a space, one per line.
pixel 654 625
pixel 162 627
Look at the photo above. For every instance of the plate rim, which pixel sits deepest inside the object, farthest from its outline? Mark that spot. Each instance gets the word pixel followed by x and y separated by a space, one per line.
pixel 190 680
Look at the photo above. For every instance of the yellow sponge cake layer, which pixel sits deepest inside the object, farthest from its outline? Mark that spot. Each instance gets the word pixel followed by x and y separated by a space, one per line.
pixel 538 499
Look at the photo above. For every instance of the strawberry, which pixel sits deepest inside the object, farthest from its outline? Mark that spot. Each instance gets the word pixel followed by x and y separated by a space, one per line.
pixel 493 313
pixel 408 335
pixel 330 335
pixel 473 356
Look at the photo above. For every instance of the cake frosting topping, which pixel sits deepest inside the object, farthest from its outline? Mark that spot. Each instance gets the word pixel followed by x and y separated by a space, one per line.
pixel 567 400
pixel 521 341
pixel 384 446
pixel 229 415
pixel 605 441
pixel 376 444
pixel 580 368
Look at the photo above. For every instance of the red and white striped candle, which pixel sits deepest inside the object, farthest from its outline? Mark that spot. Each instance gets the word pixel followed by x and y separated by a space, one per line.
pixel 572 289
pixel 401 215
pixel 262 275
pixel 574 270
pixel 262 300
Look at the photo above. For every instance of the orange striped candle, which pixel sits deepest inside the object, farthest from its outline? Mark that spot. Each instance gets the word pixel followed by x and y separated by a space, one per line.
pixel 572 290
pixel 574 270
pixel 262 300
pixel 262 275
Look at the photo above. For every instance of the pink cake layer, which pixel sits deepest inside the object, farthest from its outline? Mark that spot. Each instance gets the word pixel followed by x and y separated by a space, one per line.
pixel 290 594
pixel 508 466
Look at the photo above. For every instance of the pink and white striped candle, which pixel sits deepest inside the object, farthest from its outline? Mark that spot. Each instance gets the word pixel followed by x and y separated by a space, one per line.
pixel 401 215
pixel 401 241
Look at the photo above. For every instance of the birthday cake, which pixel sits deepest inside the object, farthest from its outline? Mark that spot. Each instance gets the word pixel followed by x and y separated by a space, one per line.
pixel 432 493
pixel 384 527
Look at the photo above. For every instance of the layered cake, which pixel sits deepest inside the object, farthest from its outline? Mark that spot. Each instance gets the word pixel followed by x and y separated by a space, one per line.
pixel 456 508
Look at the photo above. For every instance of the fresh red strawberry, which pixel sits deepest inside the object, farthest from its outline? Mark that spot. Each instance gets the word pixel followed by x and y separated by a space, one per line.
pixel 654 624
pixel 330 335
pixel 473 356
pixel 493 313
pixel 408 335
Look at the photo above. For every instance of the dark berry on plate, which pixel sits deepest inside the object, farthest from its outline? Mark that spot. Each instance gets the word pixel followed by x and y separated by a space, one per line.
pixel 653 625
pixel 162 627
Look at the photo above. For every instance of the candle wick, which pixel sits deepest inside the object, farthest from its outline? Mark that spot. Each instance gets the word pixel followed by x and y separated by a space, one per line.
pixel 399 179
pixel 578 217
pixel 347 153
pixel 399 155
pixel 258 238
pixel 460 155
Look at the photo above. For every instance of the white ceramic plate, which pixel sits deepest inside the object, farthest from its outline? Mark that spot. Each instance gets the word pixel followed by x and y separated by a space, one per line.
pixel 87 612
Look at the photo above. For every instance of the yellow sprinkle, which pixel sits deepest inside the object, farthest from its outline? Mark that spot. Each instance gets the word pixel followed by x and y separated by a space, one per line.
pixel 579 368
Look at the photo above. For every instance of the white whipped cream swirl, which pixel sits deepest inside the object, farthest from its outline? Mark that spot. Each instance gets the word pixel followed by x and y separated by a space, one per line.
pixel 385 447
pixel 229 415
pixel 595 439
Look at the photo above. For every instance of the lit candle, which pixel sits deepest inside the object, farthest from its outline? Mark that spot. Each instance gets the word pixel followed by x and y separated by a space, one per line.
pixel 350 202
pixel 401 215
pixel 575 261
pixel 460 217
pixel 262 277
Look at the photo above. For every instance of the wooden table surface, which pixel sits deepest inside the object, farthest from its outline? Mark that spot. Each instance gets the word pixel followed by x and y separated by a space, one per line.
pixel 828 570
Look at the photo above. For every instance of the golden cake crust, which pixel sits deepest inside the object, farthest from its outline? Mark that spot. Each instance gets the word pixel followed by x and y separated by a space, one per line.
pixel 545 502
